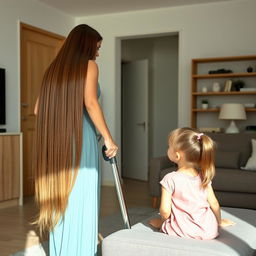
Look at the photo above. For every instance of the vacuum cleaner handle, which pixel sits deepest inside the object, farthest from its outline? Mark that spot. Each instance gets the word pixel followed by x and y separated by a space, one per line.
pixel 118 187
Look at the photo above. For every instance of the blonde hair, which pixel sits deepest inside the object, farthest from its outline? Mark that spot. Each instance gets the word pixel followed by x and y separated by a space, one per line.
pixel 198 149
pixel 59 123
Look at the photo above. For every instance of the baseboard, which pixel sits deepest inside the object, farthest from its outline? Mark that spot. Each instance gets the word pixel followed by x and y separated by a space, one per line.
pixel 108 183
pixel 9 203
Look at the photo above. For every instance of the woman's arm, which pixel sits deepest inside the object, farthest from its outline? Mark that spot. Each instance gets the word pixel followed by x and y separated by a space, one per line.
pixel 94 110
pixel 166 204
pixel 214 204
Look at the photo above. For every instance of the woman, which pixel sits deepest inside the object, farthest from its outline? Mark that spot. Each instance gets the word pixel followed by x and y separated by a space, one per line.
pixel 67 174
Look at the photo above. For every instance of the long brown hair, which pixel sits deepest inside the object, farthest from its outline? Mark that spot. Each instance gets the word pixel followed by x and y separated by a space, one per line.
pixel 198 150
pixel 58 137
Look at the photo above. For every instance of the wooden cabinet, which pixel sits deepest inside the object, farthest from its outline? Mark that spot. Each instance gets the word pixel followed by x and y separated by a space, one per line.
pixel 201 78
pixel 10 169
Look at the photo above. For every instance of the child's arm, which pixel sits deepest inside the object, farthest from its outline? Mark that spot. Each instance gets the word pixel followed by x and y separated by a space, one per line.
pixel 214 204
pixel 166 204
pixel 165 209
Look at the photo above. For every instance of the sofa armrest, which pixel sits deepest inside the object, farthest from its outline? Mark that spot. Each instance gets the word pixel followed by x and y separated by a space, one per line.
pixel 156 165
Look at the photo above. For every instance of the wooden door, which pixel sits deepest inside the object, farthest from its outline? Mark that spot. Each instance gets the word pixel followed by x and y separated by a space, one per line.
pixel 38 49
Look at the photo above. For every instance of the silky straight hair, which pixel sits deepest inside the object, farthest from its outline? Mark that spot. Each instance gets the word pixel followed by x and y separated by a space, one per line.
pixel 58 139
pixel 198 149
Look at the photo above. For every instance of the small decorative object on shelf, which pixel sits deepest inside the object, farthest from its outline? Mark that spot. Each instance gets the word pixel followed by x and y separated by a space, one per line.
pixel 220 71
pixel 238 84
pixel 249 105
pixel 216 87
pixel 250 128
pixel 249 69
pixel 205 104
pixel 204 89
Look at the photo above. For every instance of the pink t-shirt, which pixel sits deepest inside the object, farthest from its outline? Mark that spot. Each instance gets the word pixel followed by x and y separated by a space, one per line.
pixel 191 215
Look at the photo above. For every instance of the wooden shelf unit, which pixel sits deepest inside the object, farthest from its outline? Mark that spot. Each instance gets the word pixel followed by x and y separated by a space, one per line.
pixel 195 77
pixel 11 192
pixel 217 110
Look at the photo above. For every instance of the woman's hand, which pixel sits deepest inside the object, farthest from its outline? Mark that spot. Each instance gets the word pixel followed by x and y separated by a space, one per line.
pixel 226 222
pixel 111 148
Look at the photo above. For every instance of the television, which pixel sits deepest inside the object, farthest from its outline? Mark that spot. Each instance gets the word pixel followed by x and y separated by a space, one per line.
pixel 2 97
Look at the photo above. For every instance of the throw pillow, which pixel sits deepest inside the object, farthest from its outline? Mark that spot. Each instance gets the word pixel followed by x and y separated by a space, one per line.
pixel 227 159
pixel 251 163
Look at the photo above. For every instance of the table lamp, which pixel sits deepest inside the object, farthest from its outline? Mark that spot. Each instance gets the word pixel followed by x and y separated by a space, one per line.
pixel 232 111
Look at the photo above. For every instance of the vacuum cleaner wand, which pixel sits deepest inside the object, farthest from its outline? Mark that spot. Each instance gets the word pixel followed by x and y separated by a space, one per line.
pixel 118 187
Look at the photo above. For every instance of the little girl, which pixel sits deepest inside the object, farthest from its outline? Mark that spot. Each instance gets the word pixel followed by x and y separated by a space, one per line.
pixel 188 206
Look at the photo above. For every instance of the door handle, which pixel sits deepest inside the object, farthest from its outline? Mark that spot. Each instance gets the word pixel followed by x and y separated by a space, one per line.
pixel 24 105
pixel 142 124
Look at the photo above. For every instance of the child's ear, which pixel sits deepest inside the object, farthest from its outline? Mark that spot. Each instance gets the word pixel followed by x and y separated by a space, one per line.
pixel 177 156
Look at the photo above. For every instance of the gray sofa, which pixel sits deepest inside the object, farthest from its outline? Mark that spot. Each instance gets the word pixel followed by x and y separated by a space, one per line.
pixel 142 240
pixel 233 187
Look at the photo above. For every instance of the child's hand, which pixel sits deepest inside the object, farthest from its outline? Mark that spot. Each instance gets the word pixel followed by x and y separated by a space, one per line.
pixel 226 222
pixel 156 223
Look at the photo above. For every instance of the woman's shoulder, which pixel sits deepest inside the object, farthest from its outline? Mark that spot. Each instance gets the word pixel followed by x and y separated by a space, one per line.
pixel 92 66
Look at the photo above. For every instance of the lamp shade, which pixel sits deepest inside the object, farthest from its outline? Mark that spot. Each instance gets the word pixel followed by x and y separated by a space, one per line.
pixel 232 111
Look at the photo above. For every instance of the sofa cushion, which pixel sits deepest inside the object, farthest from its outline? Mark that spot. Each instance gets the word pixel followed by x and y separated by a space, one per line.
pixel 227 159
pixel 234 180
pixel 251 163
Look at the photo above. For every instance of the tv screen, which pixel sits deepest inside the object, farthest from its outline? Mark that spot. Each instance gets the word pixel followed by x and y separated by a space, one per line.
pixel 2 96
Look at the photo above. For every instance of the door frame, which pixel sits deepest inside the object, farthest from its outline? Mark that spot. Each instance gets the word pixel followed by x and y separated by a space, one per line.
pixel 118 83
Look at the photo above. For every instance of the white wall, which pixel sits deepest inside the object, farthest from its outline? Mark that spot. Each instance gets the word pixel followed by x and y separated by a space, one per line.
pixel 206 30
pixel 165 92
pixel 33 13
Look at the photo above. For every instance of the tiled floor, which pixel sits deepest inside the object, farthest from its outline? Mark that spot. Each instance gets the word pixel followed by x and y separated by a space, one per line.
pixel 16 233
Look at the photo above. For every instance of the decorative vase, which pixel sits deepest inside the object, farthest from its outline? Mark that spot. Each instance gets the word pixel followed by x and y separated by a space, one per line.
pixel 216 87
pixel 204 89
pixel 204 105
pixel 249 69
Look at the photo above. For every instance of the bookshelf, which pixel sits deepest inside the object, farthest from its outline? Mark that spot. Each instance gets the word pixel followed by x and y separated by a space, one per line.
pixel 201 78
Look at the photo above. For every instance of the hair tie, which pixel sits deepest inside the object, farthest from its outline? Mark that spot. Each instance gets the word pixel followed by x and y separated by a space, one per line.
pixel 199 135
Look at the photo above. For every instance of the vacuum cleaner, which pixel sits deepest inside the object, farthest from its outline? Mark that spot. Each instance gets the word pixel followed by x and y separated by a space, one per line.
pixel 119 191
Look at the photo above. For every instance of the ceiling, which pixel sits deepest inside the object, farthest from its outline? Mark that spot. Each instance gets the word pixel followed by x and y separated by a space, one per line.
pixel 78 8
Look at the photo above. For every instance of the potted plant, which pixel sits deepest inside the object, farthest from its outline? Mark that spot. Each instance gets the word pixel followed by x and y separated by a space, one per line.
pixel 205 104
pixel 238 84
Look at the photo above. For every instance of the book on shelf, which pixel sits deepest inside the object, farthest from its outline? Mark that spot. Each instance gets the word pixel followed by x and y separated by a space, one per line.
pixel 228 86
pixel 247 89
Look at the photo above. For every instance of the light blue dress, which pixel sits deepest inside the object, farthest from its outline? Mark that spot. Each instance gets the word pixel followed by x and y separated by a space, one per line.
pixel 77 233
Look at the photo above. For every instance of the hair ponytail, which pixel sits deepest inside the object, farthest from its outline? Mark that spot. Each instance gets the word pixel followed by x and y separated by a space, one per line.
pixel 207 168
